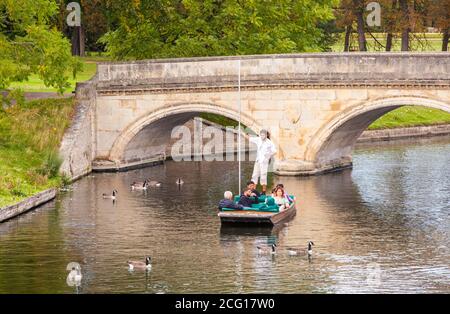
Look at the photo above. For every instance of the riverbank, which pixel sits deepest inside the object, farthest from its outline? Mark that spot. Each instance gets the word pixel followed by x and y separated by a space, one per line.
pixel 30 136
pixel 403 133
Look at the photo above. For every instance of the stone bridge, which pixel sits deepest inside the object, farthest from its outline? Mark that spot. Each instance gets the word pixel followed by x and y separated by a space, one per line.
pixel 315 105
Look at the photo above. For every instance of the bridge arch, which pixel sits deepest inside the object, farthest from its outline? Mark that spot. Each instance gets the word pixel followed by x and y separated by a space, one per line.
pixel 164 120
pixel 333 143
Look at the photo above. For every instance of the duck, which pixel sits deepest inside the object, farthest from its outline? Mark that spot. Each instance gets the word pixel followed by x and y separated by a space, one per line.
pixel 267 250
pixel 113 196
pixel 140 265
pixel 139 185
pixel 180 181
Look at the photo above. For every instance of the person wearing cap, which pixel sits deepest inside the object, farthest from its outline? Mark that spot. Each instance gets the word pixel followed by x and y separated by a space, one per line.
pixel 266 150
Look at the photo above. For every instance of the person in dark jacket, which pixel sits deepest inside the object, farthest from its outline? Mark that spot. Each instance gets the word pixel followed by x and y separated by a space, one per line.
pixel 252 185
pixel 227 202
pixel 247 199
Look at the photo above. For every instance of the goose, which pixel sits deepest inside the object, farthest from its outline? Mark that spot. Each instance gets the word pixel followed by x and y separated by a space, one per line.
pixel 310 244
pixel 113 196
pixel 267 250
pixel 294 252
pixel 140 185
pixel 179 181
pixel 140 265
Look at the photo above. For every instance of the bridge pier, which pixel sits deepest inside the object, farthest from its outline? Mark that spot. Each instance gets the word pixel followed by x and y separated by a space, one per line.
pixel 295 167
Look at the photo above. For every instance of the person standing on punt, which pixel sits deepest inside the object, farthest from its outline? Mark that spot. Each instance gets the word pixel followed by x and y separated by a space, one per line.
pixel 266 150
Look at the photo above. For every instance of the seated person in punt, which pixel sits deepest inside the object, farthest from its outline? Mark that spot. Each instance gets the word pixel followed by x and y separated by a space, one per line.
pixel 289 198
pixel 227 202
pixel 280 198
pixel 247 199
pixel 252 185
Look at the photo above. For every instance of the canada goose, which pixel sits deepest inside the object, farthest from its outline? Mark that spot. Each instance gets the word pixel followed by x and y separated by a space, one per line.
pixel 310 244
pixel 294 252
pixel 267 250
pixel 140 265
pixel 113 196
pixel 139 185
pixel 179 181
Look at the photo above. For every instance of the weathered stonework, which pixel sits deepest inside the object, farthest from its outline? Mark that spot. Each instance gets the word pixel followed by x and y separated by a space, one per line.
pixel 9 212
pixel 315 105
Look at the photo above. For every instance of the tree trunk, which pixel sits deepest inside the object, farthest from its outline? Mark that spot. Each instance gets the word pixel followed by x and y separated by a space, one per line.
pixel 445 39
pixel 390 23
pixel 361 34
pixel 78 41
pixel 405 23
pixel 348 32
pixel 389 42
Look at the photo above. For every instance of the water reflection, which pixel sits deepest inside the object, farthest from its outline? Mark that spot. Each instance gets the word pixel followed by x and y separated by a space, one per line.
pixel 388 218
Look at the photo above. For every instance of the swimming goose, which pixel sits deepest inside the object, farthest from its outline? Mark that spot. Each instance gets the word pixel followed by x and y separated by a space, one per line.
pixel 139 185
pixel 179 181
pixel 294 252
pixel 267 250
pixel 113 196
pixel 140 265
pixel 310 244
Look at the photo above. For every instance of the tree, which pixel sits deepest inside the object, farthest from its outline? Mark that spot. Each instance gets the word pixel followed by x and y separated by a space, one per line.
pixel 440 15
pixel 28 45
pixel 94 23
pixel 185 28
pixel 349 12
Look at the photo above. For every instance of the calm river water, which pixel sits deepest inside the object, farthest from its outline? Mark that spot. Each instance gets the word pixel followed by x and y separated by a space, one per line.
pixel 382 227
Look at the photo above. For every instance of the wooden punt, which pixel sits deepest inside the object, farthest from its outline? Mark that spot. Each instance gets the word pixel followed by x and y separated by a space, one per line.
pixel 250 217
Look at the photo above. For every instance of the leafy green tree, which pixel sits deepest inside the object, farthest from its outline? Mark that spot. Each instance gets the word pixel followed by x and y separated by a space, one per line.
pixel 28 45
pixel 186 28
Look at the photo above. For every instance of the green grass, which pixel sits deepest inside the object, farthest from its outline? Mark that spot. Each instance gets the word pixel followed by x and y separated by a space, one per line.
pixel 35 84
pixel 30 136
pixel 428 42
pixel 408 116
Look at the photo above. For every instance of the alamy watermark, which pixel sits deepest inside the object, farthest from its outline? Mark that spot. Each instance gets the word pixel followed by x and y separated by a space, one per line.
pixel 74 17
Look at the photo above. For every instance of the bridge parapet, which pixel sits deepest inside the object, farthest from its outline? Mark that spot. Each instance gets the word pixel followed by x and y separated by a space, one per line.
pixel 274 71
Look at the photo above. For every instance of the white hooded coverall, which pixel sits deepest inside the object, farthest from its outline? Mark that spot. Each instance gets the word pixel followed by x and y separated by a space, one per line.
pixel 266 149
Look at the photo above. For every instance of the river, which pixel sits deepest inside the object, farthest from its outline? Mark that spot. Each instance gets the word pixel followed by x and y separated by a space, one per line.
pixel 383 226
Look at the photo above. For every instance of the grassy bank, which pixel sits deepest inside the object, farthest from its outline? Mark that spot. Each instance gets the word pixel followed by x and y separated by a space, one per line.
pixel 35 84
pixel 30 136
pixel 425 42
pixel 408 116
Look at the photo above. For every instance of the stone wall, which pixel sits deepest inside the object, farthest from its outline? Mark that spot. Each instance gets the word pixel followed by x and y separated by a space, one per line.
pixel 78 144
pixel 24 206
pixel 401 133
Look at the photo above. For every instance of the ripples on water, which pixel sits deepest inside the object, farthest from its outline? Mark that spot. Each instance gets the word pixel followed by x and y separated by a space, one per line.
pixel 381 227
